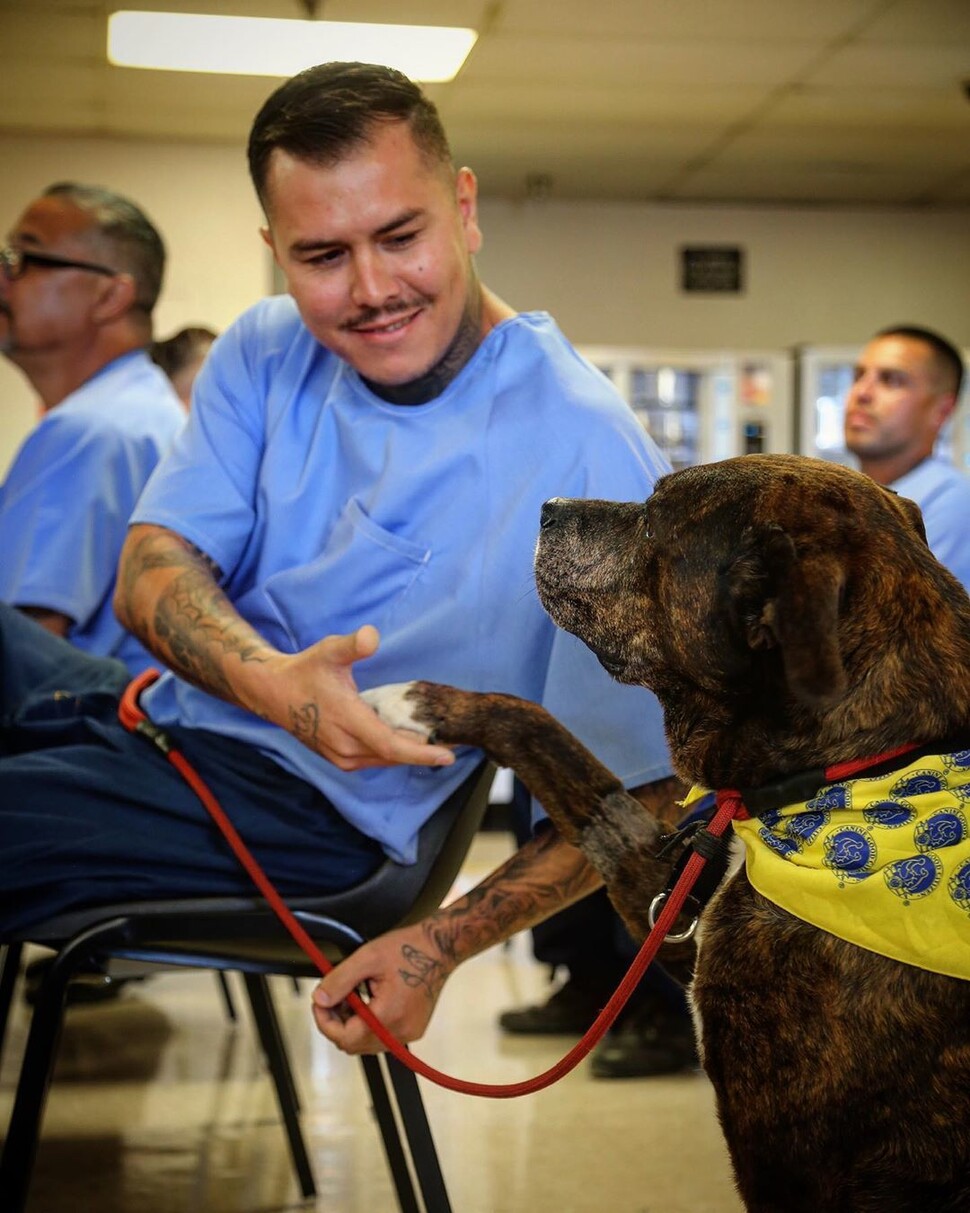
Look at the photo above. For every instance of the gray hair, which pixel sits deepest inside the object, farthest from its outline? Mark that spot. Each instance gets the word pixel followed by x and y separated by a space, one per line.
pixel 126 232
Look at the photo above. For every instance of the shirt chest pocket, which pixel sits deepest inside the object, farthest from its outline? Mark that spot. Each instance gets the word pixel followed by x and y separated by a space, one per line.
pixel 363 575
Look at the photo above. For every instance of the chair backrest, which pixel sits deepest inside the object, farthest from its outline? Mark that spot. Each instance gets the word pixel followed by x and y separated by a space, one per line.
pixel 396 894
pixel 393 895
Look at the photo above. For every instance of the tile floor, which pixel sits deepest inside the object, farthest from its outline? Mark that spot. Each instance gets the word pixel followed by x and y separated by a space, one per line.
pixel 161 1105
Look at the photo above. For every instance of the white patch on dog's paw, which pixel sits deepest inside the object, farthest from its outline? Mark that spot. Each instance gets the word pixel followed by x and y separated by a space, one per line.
pixel 391 703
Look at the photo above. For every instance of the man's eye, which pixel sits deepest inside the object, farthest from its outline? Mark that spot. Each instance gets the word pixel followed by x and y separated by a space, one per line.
pixel 325 258
pixel 892 379
pixel 401 239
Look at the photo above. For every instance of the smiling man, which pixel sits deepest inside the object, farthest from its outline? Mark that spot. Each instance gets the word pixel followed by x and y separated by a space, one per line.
pixel 906 386
pixel 368 454
pixel 377 252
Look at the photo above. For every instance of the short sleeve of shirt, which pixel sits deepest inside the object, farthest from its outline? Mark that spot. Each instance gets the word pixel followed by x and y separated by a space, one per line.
pixel 943 495
pixel 63 513
pixel 203 489
pixel 67 498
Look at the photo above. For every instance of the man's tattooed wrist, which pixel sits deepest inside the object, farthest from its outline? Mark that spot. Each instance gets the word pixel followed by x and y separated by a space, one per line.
pixel 423 972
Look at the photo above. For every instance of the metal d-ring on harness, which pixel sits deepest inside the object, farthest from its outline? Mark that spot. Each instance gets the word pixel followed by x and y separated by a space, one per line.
pixel 692 838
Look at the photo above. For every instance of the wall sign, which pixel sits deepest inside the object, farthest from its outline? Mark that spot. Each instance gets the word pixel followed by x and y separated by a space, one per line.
pixel 712 270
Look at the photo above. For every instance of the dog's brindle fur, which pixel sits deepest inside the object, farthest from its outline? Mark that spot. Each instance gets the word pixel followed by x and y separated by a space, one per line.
pixel 788 615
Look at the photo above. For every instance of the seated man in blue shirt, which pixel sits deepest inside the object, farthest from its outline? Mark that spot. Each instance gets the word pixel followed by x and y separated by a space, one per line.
pixel 78 283
pixel 368 453
pixel 907 384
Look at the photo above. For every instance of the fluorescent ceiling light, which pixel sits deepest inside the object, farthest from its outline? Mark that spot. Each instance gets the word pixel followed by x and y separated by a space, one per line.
pixel 263 46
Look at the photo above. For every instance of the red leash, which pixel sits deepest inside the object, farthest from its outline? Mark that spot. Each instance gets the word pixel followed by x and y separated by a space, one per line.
pixel 135 720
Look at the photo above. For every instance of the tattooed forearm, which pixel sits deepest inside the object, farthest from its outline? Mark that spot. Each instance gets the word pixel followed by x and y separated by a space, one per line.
pixel 188 621
pixel 197 624
pixel 546 875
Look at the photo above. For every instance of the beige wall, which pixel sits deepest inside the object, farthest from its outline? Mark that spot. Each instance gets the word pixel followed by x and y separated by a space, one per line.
pixel 608 272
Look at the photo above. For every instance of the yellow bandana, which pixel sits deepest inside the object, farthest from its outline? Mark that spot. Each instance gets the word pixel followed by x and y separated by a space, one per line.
pixel 883 862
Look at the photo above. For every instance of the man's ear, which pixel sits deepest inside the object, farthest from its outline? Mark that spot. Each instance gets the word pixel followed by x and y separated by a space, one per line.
pixel 266 234
pixel 780 597
pixel 946 402
pixel 466 197
pixel 118 296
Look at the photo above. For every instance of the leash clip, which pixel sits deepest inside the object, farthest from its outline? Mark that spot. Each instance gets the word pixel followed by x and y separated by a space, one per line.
pixel 157 736
pixel 680 841
pixel 693 837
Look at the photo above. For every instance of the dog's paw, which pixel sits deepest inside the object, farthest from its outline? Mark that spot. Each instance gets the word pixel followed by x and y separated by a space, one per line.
pixel 396 705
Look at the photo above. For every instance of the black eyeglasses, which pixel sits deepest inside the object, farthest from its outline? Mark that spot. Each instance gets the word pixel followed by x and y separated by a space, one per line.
pixel 14 262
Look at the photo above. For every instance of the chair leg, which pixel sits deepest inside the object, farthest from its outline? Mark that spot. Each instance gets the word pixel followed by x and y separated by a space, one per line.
pixel 227 995
pixel 37 1066
pixel 274 1047
pixel 390 1134
pixel 10 954
pixel 424 1156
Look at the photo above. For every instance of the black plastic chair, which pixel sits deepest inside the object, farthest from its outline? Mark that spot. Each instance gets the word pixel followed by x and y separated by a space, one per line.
pixel 242 933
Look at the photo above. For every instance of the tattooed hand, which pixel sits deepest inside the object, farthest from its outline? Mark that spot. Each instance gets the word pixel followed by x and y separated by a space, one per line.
pixel 314 696
pixel 168 595
pixel 405 974
pixel 407 968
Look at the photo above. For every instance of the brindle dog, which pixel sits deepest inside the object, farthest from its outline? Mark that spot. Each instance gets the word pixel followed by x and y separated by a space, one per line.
pixel 788 615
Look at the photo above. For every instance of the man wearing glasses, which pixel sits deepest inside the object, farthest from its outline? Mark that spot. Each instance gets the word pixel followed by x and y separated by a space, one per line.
pixel 79 278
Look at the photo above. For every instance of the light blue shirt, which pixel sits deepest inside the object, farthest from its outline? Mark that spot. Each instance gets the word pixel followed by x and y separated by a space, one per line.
pixel 943 494
pixel 65 503
pixel 328 508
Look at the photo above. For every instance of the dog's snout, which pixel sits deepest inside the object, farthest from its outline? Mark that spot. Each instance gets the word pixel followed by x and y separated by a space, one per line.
pixel 551 512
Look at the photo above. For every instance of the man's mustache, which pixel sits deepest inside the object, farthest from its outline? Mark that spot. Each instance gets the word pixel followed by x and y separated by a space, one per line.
pixel 373 315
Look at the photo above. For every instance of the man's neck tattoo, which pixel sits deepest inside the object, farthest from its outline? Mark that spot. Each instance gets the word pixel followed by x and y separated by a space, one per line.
pixel 433 382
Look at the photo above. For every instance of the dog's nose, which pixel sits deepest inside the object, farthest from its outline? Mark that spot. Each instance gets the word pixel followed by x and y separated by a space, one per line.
pixel 551 510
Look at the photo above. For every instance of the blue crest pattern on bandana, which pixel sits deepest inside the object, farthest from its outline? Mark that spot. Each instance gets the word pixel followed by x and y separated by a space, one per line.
pixel 882 862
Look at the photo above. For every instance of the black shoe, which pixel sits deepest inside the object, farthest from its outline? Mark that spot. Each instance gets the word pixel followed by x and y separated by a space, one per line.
pixel 648 1041
pixel 567 1012
pixel 88 986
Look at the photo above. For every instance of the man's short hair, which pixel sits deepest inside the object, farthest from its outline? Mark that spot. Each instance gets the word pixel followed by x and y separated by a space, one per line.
pixel 176 352
pixel 328 111
pixel 949 362
pixel 125 232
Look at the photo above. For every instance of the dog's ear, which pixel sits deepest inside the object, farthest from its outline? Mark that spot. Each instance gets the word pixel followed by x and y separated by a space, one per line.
pixel 782 598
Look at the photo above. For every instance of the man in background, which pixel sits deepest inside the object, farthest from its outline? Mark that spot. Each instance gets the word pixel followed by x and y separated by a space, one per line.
pixel 907 384
pixel 181 357
pixel 78 281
